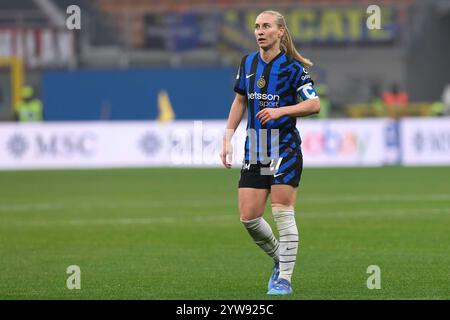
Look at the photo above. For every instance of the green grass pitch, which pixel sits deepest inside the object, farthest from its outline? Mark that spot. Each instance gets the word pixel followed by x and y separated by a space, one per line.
pixel 175 234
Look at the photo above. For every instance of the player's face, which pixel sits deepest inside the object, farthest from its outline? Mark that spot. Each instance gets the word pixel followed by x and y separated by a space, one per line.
pixel 267 32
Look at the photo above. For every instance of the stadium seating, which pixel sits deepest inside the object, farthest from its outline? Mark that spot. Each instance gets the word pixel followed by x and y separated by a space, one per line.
pixel 23 13
pixel 17 5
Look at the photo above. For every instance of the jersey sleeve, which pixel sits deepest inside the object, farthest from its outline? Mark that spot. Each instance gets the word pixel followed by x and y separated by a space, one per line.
pixel 304 85
pixel 239 86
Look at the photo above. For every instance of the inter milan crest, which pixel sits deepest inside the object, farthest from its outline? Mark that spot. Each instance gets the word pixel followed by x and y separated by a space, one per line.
pixel 261 82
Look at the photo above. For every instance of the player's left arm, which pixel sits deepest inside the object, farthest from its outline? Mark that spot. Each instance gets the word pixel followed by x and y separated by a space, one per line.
pixel 309 105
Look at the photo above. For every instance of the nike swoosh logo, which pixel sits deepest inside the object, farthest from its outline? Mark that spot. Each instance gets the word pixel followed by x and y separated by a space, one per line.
pixel 278 174
pixel 291 248
pixel 248 75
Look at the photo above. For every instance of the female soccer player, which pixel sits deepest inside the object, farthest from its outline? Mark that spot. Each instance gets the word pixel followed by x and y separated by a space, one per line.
pixel 270 83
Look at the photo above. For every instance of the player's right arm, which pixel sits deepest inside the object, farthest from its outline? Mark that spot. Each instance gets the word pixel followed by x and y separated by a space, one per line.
pixel 234 118
pixel 236 112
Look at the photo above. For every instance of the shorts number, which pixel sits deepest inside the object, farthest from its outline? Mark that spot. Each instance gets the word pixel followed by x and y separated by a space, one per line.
pixel 274 166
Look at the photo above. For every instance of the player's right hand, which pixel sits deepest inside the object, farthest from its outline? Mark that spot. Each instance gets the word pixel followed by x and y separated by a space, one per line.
pixel 227 154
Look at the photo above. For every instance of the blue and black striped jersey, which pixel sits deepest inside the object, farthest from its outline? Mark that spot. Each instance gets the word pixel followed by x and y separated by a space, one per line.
pixel 281 82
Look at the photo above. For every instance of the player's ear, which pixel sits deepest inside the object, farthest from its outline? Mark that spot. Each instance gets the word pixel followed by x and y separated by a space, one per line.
pixel 281 32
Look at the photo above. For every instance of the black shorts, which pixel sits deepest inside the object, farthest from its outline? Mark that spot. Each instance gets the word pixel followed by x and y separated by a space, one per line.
pixel 286 170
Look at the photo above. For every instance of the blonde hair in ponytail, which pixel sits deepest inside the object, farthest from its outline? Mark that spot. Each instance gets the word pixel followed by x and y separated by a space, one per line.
pixel 287 44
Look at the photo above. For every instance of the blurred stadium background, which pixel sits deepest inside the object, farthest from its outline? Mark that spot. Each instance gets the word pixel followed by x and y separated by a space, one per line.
pixel 128 90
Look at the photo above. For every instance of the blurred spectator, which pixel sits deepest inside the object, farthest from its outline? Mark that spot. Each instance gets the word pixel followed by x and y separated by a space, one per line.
pixel 376 101
pixel 1 97
pixel 446 99
pixel 166 113
pixel 395 99
pixel 440 108
pixel 437 109
pixel 325 104
pixel 30 108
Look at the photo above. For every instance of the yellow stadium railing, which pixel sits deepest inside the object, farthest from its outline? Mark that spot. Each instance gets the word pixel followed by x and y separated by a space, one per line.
pixel 16 66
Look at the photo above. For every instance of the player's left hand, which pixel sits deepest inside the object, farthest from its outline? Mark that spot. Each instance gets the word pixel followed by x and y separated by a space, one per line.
pixel 268 114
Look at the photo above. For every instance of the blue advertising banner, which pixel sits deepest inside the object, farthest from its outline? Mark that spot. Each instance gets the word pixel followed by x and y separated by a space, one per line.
pixel 200 93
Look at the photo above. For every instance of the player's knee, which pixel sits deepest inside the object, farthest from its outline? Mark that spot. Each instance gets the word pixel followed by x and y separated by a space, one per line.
pixel 250 211
pixel 249 216
pixel 287 200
